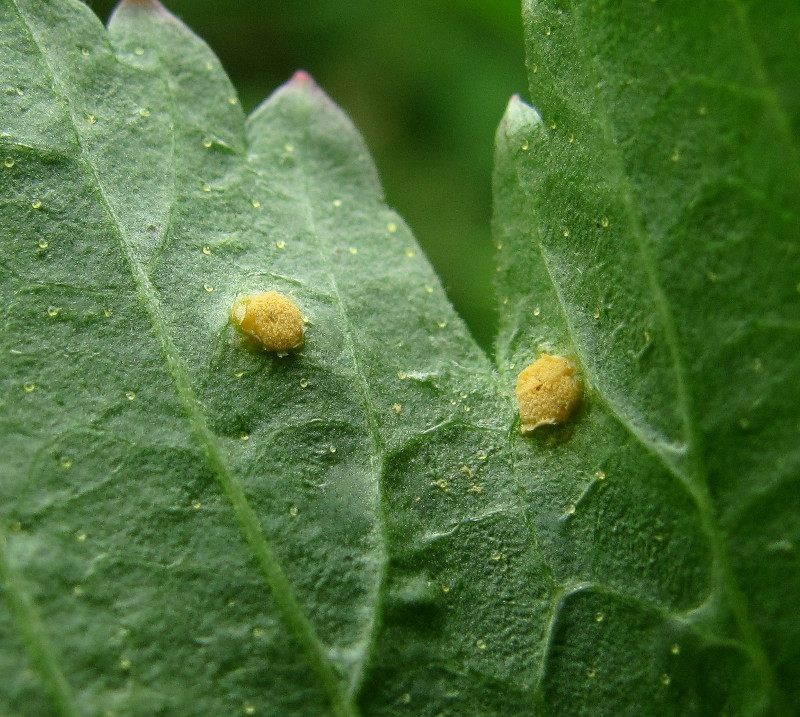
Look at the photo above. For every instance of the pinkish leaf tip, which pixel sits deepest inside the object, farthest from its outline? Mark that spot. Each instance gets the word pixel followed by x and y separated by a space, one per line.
pixel 154 4
pixel 151 5
pixel 301 77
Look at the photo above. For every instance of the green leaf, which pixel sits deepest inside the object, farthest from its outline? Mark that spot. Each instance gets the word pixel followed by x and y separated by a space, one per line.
pixel 648 220
pixel 189 526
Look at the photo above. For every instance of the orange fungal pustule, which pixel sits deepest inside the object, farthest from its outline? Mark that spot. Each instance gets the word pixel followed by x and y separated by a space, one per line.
pixel 548 391
pixel 272 319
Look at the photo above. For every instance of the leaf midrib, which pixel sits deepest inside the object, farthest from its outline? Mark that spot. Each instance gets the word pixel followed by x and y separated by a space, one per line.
pixel 262 551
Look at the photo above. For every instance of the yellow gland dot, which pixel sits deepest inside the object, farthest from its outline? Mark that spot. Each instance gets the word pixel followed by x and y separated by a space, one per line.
pixel 547 391
pixel 271 319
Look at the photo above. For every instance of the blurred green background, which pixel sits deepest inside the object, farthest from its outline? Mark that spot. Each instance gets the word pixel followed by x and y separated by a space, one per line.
pixel 425 81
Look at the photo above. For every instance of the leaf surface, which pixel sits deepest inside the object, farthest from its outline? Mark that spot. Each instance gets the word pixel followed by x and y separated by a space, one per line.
pixel 648 220
pixel 191 526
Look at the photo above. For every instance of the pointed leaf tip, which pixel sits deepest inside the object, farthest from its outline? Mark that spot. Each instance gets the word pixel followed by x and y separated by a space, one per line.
pixel 154 5
pixel 302 78
pixel 125 7
pixel 517 104
pixel 519 116
pixel 301 83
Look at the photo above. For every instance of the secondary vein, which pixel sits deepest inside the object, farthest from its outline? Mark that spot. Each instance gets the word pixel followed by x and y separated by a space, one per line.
pixel 779 114
pixel 379 448
pixel 29 623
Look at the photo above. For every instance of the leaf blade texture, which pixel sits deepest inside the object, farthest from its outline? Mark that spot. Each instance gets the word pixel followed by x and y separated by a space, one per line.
pixel 194 527
pixel 648 226
pixel 276 532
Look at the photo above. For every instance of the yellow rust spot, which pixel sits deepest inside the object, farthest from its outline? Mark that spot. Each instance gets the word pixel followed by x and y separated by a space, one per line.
pixel 548 391
pixel 271 319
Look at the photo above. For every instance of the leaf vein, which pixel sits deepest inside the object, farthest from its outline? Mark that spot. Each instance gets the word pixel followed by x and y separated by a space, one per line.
pixel 249 525
pixel 29 623
pixel 723 572
pixel 780 116
pixel 378 458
